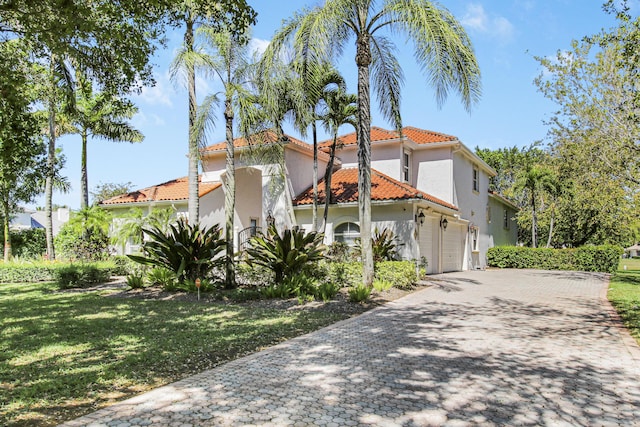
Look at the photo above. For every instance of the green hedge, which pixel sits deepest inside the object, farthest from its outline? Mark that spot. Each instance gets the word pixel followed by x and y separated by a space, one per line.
pixel 64 273
pixel 603 258
pixel 348 274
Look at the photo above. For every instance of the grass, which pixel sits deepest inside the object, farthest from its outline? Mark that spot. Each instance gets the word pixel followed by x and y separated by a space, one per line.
pixel 624 294
pixel 65 354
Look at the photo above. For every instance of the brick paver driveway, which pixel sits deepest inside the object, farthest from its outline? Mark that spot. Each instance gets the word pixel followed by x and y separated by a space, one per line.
pixel 478 348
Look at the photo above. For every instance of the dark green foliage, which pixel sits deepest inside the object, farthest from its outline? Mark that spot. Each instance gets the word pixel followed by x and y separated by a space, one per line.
pixel 29 243
pixel 359 293
pixel 339 252
pixel 327 291
pixel 383 245
pixel 296 285
pixel 44 271
pixel 123 265
pixel 135 281
pixel 190 286
pixel 253 275
pixel 401 273
pixel 80 276
pixel 348 274
pixel 86 236
pixel 187 250
pixel 603 258
pixel 160 276
pixel 287 254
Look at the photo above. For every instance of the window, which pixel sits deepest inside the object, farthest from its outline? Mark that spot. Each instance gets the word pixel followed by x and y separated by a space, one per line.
pixel 505 219
pixel 347 232
pixel 476 179
pixel 475 238
pixel 253 225
pixel 406 159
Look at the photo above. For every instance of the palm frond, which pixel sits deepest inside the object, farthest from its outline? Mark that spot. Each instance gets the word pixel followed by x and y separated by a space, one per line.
pixel 387 77
pixel 205 119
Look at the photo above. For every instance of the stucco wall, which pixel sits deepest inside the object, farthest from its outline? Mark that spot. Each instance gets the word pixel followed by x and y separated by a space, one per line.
pixel 433 172
pixel 499 235
pixel 300 170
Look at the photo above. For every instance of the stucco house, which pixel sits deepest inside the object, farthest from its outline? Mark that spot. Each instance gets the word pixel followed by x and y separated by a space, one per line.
pixel 428 187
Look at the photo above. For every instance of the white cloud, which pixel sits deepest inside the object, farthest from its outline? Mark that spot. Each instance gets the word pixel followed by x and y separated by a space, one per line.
pixel 141 119
pixel 258 46
pixel 494 26
pixel 159 94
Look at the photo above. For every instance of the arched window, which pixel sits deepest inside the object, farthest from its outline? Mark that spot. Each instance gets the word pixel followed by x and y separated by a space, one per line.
pixel 347 232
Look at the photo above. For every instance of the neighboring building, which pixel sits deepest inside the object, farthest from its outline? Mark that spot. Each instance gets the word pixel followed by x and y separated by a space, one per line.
pixel 429 188
pixel 28 218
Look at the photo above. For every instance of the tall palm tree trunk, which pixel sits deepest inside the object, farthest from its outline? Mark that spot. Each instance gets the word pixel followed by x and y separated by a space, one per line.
pixel 5 229
pixel 363 60
pixel 229 197
pixel 550 229
pixel 51 165
pixel 84 180
pixel 327 182
pixel 194 200
pixel 534 219
pixel 314 225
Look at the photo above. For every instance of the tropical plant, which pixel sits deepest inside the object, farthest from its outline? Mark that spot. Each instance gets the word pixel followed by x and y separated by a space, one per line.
pixel 135 281
pixel 160 276
pixel 99 115
pixel 442 49
pixel 129 227
pixel 340 109
pixel 229 62
pixel 285 254
pixel 382 285
pixel 86 235
pixel 383 244
pixel 326 291
pixel 534 180
pixel 186 249
pixel 359 293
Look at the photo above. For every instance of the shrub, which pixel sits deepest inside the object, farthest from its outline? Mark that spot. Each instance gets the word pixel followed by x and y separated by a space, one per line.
pixel 339 252
pixel 382 285
pixel 327 291
pixel 186 250
pixel 603 258
pixel 383 245
pixel 253 275
pixel 190 286
pixel 20 272
pixel 123 266
pixel 285 255
pixel 296 285
pixel 30 243
pixel 159 276
pixel 85 236
pixel 344 274
pixel 135 281
pixel 80 276
pixel 401 273
pixel 359 293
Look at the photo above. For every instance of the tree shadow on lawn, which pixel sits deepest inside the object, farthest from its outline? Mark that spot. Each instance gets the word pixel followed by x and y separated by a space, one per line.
pixel 501 363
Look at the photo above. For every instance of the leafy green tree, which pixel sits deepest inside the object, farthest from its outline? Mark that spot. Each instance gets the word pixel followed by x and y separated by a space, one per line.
pixel 340 109
pixel 534 180
pixel 229 62
pixel 99 115
pixel 86 235
pixel 441 47
pixel 235 16
pixel 21 147
pixel 107 190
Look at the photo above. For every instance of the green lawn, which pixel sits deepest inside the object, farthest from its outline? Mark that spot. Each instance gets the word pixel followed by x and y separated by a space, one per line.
pixel 66 354
pixel 624 294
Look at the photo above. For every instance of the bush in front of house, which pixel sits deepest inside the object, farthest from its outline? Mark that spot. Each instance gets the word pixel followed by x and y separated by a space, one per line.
pixel 602 258
pixel 81 275
pixel 47 271
pixel 349 274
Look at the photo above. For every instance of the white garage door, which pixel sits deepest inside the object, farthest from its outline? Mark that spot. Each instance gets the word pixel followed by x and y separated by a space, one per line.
pixel 428 244
pixel 452 248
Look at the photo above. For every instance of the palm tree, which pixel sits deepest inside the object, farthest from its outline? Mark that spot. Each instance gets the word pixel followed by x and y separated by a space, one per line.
pixel 100 115
pixel 131 226
pixel 535 180
pixel 229 62
pixel 60 84
pixel 441 47
pixel 340 109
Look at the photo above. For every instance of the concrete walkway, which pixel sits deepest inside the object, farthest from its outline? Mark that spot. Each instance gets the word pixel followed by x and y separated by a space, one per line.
pixel 479 348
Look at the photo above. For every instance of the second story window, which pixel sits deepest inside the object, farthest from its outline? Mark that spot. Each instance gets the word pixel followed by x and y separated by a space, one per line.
pixel 476 179
pixel 405 166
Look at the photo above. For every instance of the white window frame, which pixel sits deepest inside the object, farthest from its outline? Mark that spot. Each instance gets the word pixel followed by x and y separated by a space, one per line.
pixel 406 166
pixel 475 178
pixel 348 236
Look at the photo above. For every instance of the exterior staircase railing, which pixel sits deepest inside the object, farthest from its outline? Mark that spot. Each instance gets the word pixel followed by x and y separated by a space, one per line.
pixel 245 235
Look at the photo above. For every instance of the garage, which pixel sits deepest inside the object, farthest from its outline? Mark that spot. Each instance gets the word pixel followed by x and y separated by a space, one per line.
pixel 453 247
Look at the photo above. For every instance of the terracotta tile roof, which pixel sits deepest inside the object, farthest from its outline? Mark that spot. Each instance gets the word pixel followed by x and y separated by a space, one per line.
pixel 344 189
pixel 265 137
pixel 419 136
pixel 177 189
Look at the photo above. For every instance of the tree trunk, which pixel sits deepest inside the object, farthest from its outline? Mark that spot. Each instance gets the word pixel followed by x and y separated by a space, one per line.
pixel 327 182
pixel 551 228
pixel 314 224
pixel 84 180
pixel 229 198
pixel 51 165
pixel 194 199
pixel 363 60
pixel 5 228
pixel 533 220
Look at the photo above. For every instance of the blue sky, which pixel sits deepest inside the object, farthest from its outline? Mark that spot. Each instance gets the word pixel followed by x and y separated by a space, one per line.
pixel 506 35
